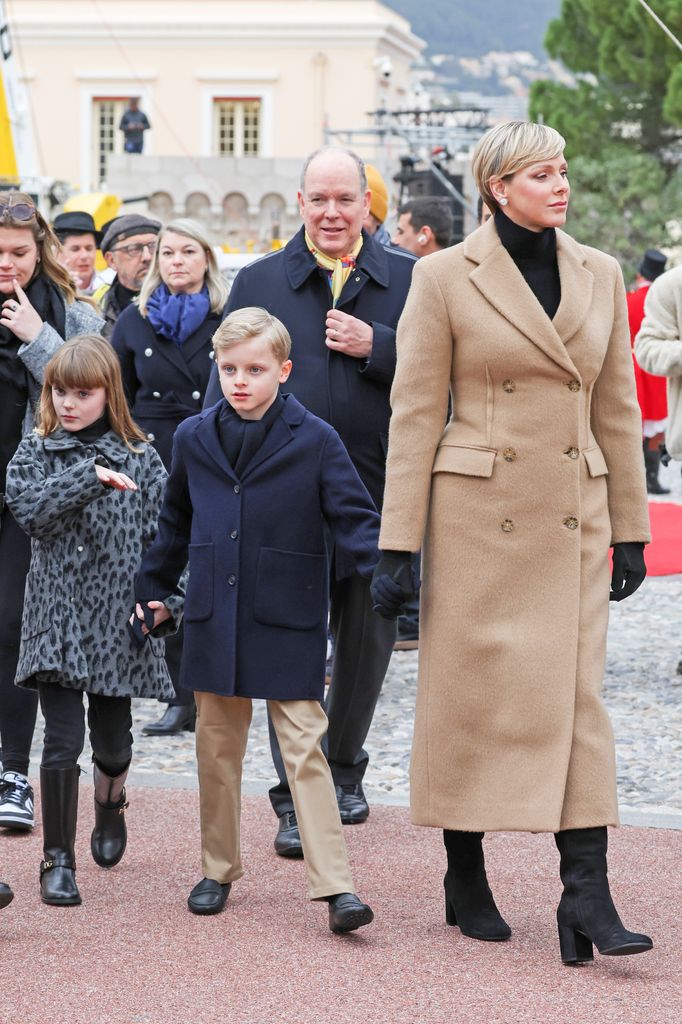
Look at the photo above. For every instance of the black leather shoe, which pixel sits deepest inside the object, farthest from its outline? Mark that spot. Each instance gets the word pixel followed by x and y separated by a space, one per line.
pixel 288 838
pixel 208 896
pixel 6 895
pixel 353 806
pixel 176 718
pixel 347 912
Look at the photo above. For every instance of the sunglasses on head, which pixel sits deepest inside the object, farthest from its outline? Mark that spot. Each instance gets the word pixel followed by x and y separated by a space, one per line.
pixel 16 208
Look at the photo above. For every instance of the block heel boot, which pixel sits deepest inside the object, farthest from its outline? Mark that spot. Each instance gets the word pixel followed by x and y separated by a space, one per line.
pixel 59 800
pixel 586 915
pixel 469 902
pixel 110 835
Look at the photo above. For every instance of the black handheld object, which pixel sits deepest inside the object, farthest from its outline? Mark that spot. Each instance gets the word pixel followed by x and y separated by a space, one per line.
pixel 135 629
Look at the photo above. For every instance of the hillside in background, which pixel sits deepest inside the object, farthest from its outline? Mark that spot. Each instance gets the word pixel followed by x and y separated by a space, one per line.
pixel 466 28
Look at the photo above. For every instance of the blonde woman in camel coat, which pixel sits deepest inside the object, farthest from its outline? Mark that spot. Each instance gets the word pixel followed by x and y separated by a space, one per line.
pixel 516 503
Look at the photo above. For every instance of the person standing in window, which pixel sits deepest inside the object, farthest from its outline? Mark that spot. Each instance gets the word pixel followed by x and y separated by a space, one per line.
pixel 134 124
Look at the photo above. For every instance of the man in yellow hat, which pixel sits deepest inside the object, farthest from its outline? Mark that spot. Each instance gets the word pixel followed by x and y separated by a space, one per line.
pixel 378 207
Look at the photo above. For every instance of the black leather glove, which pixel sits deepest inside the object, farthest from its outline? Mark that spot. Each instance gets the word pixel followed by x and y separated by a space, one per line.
pixel 135 630
pixel 629 569
pixel 393 583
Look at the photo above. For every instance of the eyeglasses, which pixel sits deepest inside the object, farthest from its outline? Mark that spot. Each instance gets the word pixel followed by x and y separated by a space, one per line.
pixel 11 210
pixel 136 249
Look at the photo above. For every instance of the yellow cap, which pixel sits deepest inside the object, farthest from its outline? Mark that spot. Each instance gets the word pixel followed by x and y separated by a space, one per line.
pixel 379 202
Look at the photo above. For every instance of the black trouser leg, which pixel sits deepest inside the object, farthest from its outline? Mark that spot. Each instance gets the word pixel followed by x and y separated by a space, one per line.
pixel 64 726
pixel 182 698
pixel 110 723
pixel 18 706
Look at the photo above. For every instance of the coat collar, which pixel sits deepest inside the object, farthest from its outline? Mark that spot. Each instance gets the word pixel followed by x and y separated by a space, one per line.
pixel 109 445
pixel 498 278
pixel 372 262
pixel 280 434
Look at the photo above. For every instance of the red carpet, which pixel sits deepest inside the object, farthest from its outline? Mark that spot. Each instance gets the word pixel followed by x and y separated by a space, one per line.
pixel 664 554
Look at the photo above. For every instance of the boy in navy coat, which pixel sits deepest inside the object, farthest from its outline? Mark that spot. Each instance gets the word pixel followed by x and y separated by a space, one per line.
pixel 257 484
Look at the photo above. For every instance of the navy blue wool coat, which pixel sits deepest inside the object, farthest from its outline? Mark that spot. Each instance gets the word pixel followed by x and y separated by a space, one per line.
pixel 351 394
pixel 256 606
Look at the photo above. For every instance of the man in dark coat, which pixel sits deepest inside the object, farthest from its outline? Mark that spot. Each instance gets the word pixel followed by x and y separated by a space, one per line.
pixel 340 295
pixel 128 246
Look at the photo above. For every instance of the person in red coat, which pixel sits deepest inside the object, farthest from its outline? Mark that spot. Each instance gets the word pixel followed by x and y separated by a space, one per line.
pixel 651 390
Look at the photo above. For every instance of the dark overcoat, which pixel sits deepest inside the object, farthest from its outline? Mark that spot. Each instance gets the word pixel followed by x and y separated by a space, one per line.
pixel 86 544
pixel 256 607
pixel 351 394
pixel 165 383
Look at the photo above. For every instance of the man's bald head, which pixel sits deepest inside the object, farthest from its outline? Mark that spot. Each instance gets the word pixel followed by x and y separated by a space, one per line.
pixel 334 154
pixel 334 199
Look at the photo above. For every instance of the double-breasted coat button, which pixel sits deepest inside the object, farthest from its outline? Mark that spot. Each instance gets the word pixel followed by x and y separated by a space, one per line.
pixel 571 523
pixel 211 354
pixel 509 454
pixel 156 394
pixel 232 579
pixel 148 352
pixel 237 488
pixel 574 385
pixel 573 453
pixel 79 548
pixel 196 395
pixel 507 525
pixel 508 386
pixel 234 534
pixel 151 437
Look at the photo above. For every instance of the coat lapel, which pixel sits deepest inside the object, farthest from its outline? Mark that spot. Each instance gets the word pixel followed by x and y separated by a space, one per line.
pixel 279 435
pixel 500 281
pixel 577 284
pixel 207 435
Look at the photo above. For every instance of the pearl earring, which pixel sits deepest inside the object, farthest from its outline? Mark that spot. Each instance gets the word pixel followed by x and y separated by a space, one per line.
pixel 503 201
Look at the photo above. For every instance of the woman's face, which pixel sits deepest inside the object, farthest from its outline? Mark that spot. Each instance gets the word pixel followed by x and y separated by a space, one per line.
pixel 18 258
pixel 537 195
pixel 182 263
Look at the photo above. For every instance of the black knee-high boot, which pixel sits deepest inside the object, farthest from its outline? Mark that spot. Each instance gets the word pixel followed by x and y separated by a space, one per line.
pixel 59 800
pixel 469 902
pixel 586 913
pixel 109 836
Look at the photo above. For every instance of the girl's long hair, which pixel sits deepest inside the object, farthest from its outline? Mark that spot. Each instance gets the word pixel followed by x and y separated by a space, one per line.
pixel 213 279
pixel 88 361
pixel 48 246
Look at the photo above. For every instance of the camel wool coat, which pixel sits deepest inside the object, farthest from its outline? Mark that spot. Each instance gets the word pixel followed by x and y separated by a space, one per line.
pixel 516 503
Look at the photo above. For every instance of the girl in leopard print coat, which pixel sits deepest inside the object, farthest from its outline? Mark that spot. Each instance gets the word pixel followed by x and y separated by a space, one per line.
pixel 87 487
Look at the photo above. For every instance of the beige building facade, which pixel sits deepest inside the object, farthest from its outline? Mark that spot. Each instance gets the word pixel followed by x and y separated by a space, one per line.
pixel 240 79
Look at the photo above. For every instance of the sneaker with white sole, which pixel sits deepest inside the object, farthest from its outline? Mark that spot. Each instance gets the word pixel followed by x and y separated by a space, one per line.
pixel 16 801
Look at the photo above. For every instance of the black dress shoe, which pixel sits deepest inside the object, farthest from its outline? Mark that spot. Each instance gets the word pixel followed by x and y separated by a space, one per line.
pixel 208 896
pixel 6 895
pixel 347 912
pixel 176 718
pixel 353 806
pixel 288 838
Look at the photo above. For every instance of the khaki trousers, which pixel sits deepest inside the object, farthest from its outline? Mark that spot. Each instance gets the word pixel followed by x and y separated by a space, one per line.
pixel 221 734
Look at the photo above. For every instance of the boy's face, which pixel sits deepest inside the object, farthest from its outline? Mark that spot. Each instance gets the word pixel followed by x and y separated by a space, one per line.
pixel 250 376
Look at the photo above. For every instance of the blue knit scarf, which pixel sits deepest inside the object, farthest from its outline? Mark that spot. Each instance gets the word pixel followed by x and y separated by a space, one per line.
pixel 177 317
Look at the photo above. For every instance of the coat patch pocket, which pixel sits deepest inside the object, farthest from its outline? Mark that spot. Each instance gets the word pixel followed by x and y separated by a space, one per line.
pixel 290 589
pixel 596 463
pixel 467 460
pixel 199 599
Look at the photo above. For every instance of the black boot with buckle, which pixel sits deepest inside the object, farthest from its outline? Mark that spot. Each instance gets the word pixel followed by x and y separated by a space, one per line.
pixel 59 800
pixel 109 836
pixel 469 902
pixel 586 913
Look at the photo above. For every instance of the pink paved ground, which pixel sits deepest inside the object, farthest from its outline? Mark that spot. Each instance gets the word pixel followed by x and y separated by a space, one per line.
pixel 132 954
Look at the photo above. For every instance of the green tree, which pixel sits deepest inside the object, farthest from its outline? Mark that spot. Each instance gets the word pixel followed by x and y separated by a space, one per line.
pixel 622 121
pixel 630 77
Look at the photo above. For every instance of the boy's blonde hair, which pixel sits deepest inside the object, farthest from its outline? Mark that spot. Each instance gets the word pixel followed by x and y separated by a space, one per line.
pixel 508 148
pixel 252 322
pixel 88 361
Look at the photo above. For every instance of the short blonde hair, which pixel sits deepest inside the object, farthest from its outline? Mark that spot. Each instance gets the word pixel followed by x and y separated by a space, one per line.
pixel 216 284
pixel 253 322
pixel 509 147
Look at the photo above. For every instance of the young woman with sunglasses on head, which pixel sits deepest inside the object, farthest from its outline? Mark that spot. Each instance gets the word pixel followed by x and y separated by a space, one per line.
pixel 38 311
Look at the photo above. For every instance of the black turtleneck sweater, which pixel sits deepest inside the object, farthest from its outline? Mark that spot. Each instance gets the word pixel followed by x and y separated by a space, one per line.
pixel 534 253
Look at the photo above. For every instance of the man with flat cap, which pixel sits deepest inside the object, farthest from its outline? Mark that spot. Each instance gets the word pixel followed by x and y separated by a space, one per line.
pixel 128 246
pixel 340 295
pixel 651 390
pixel 80 240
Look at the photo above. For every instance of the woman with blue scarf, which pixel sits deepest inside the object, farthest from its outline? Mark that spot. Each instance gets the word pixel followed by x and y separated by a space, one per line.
pixel 164 344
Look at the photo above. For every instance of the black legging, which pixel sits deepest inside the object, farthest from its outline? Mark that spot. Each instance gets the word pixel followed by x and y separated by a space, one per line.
pixel 109 722
pixel 18 707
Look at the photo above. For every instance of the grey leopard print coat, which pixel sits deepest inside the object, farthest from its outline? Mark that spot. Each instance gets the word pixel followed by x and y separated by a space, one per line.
pixel 86 544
